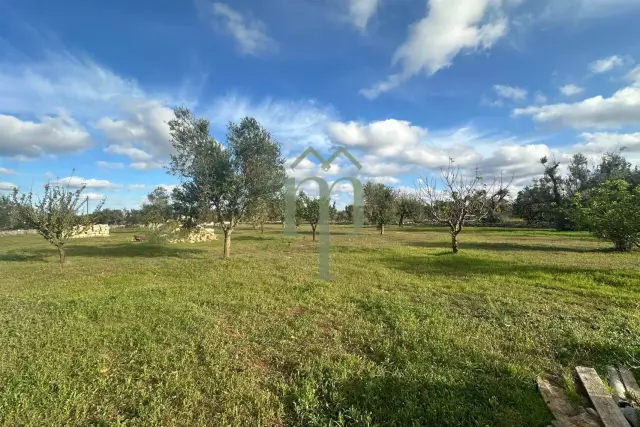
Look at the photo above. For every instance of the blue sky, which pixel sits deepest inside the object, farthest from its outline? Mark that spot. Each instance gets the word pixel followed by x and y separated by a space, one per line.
pixel 403 84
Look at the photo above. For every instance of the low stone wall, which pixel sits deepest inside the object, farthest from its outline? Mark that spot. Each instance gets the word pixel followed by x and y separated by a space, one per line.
pixel 97 230
pixel 200 234
pixel 17 232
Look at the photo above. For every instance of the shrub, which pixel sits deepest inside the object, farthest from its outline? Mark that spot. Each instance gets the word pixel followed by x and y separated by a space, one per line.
pixel 612 212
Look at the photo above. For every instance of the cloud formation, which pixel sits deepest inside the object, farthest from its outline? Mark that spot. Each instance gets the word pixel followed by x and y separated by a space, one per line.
pixel 7 186
pixel 571 90
pixel 450 28
pixel 361 11
pixel 606 64
pixel 77 182
pixel 50 135
pixel 251 35
pixel 510 92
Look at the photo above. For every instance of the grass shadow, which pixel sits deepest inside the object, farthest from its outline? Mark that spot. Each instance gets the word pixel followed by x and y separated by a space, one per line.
pixel 18 256
pixel 130 250
pixel 449 264
pixel 508 247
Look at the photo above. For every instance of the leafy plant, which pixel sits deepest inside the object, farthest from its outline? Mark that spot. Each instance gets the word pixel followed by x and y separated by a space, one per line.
pixel 56 215
pixel 612 213
pixel 379 204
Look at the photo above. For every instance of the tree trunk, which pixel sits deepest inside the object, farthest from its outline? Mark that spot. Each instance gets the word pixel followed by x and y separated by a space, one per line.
pixel 401 221
pixel 454 243
pixel 62 254
pixel 261 227
pixel 623 246
pixel 313 232
pixel 227 244
pixel 381 229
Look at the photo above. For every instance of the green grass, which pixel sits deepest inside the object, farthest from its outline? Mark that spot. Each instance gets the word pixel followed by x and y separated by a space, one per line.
pixel 406 334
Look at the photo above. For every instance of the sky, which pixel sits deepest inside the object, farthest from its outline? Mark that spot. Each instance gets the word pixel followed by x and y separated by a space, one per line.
pixel 86 88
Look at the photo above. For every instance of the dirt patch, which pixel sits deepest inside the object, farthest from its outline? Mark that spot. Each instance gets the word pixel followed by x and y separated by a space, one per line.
pixel 297 311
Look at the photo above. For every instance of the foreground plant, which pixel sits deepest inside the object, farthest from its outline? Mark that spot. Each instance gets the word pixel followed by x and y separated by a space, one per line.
pixel 56 215
pixel 612 212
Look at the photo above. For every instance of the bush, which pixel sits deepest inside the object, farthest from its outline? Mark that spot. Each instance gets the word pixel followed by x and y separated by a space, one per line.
pixel 612 212
pixel 160 234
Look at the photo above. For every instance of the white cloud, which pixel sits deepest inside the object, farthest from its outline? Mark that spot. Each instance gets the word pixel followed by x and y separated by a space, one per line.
pixel 50 135
pixel 144 124
pixel 397 148
pixel 382 179
pixel 77 182
pixel 145 166
pixel 361 11
pixel 136 187
pixel 133 153
pixel 571 90
pixel 292 123
pixel 250 34
pixel 93 196
pixel 540 98
pixel 109 165
pixel 602 142
pixel 61 82
pixel 510 92
pixel 451 27
pixel 622 108
pixel 5 171
pixel 92 94
pixel 605 65
pixel 634 76
pixel 7 186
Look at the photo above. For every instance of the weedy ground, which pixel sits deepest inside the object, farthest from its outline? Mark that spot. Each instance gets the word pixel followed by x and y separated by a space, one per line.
pixel 406 333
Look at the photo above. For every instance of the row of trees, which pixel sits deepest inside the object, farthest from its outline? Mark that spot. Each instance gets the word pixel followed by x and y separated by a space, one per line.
pixel 603 198
pixel 549 199
pixel 243 181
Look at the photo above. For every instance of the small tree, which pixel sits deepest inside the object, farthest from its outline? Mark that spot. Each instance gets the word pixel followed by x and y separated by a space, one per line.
pixel 348 212
pixel 310 211
pixel 8 217
pixel 258 212
pixel 109 216
pixel 407 206
pixel 459 198
pixel 56 216
pixel 187 207
pixel 158 208
pixel 612 213
pixel 379 204
pixel 132 217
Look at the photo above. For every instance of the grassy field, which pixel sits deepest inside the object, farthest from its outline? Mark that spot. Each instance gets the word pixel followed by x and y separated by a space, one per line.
pixel 406 334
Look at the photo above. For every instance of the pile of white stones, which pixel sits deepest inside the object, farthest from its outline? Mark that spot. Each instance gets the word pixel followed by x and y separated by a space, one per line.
pixel 199 234
pixel 97 230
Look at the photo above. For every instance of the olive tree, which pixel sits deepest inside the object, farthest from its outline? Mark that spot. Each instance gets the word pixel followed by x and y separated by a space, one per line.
pixel 56 215
pixel 8 218
pixel 612 213
pixel 158 208
pixel 407 206
pixel 258 212
pixel 456 198
pixel 379 204
pixel 225 179
pixel 310 210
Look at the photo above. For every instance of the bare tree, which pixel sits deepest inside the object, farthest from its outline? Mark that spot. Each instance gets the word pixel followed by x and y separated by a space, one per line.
pixel 455 198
